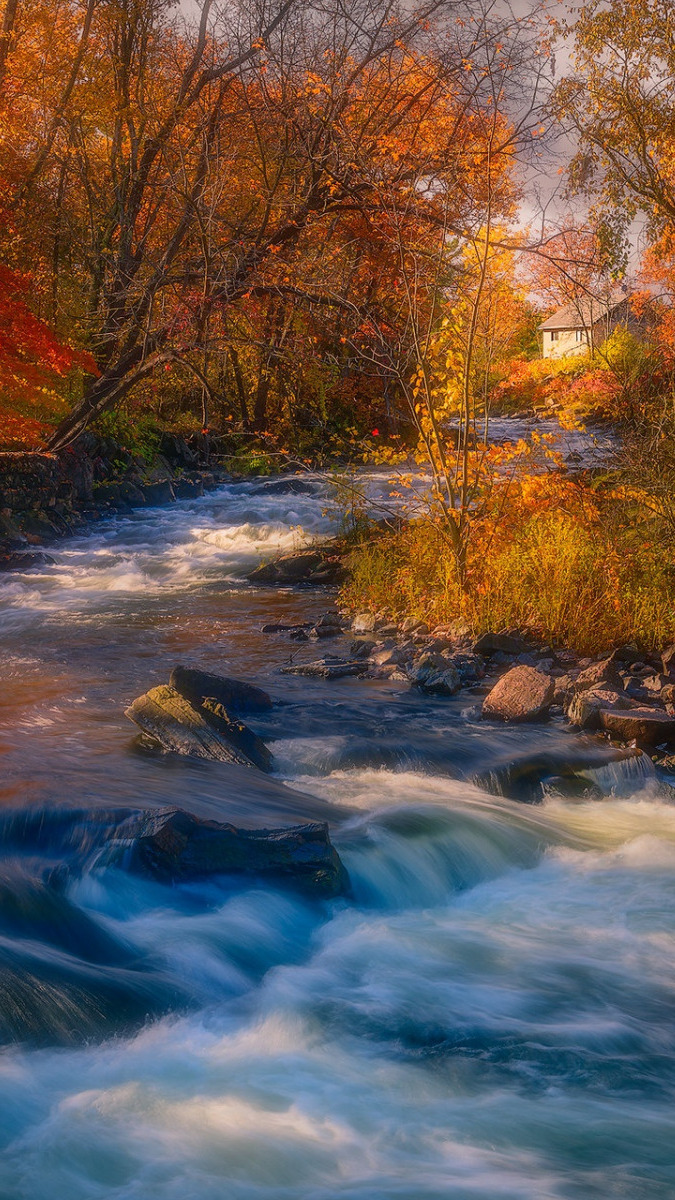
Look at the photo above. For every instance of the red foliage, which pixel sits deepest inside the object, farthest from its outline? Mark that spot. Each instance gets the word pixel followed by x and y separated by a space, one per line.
pixel 31 356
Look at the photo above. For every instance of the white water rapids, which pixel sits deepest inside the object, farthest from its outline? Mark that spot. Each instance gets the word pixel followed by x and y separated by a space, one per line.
pixel 490 1016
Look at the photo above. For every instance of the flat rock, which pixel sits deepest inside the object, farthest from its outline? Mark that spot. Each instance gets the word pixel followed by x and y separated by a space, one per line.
pixel 234 694
pixel 644 726
pixel 523 694
pixel 583 708
pixel 327 668
pixel 167 717
pixel 171 845
pixel 310 567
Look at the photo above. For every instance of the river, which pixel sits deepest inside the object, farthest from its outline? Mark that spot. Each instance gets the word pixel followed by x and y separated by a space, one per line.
pixel 491 1016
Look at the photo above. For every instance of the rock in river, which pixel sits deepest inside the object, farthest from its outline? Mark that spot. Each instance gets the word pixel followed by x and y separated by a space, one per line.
pixel 165 716
pixel 328 667
pixel 309 567
pixel 171 845
pixel 523 694
pixel 644 726
pixel 234 694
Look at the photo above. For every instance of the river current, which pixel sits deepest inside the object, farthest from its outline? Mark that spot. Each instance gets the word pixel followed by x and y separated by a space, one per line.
pixel 490 1016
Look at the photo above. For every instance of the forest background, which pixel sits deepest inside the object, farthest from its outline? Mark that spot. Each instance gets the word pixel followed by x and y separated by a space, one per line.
pixel 324 231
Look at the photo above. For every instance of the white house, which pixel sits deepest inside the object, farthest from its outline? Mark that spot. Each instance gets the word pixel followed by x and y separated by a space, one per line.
pixel 576 327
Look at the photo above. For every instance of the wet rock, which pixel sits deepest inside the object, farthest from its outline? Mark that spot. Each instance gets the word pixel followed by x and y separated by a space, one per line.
pixel 172 846
pixel 433 674
pixel 236 733
pixel 498 643
pixel 319 631
pixel 234 694
pixel 523 694
pixel 286 487
pixel 529 777
pixel 310 567
pixel 188 489
pixel 158 493
pixel 362 648
pixel 21 561
pixel 644 726
pixel 275 627
pixel 166 717
pixel 328 667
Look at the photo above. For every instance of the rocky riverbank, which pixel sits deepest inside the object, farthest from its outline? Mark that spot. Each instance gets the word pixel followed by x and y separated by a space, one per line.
pixel 626 697
pixel 44 497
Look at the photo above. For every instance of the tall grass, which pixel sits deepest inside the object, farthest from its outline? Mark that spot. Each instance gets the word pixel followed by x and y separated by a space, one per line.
pixel 590 586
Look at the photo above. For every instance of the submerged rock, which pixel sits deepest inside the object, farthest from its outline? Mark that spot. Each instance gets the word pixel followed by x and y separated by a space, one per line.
pixel 172 845
pixel 166 717
pixel 523 694
pixel 310 567
pixel 602 771
pixel 24 561
pixel 328 667
pixel 234 694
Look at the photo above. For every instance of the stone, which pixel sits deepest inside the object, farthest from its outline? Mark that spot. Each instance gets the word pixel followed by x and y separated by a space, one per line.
pixel 498 643
pixel 188 489
pixel 389 629
pixel 433 674
pixel 276 627
pixel 668 660
pixel 391 656
pixel 644 726
pixel 583 708
pixel 234 694
pixel 310 567
pixel 523 694
pixel 167 718
pixel 362 648
pixel 364 623
pixel 25 561
pixel 318 632
pixel 157 493
pixel 173 846
pixel 604 673
pixel 328 667
pixel 286 487
pixel 527 777
pixel 236 733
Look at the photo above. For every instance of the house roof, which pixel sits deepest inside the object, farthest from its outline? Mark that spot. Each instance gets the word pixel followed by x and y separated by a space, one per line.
pixel 581 316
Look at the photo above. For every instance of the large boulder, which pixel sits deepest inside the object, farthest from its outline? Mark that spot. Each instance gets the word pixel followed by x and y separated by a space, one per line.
pixel 166 717
pixel 172 846
pixel 644 726
pixel 522 694
pixel 234 694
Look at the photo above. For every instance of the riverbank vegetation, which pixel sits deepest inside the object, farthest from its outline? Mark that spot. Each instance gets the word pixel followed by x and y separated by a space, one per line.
pixel 297 231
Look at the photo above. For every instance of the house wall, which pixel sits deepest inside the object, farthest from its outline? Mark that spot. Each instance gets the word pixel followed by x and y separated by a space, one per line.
pixel 566 343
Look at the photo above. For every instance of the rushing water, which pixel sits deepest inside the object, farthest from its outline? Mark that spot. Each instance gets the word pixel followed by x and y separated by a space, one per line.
pixel 491 1016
